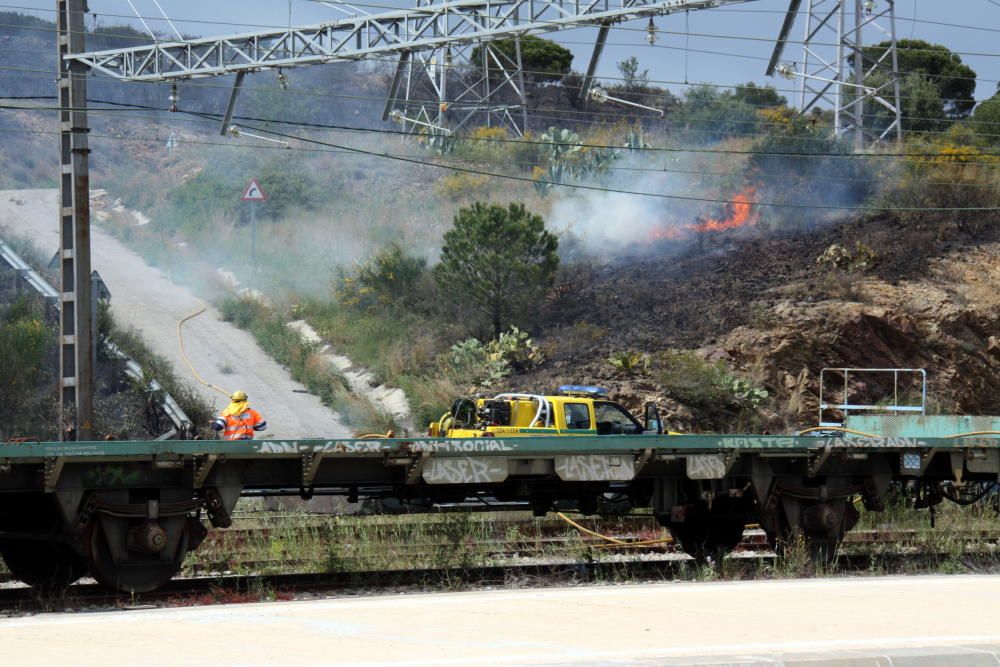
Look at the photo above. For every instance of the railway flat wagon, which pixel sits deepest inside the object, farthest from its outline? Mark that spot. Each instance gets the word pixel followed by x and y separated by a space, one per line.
pixel 128 512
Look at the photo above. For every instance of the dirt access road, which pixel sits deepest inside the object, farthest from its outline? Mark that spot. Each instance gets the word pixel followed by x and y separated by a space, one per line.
pixel 144 297
pixel 848 622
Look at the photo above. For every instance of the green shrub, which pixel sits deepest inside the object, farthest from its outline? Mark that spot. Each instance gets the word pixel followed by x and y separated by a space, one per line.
pixel 470 360
pixel 745 393
pixel 699 382
pixel 25 341
pixel 389 278
pixel 487 364
pixel 516 348
pixel 242 312
pixel 693 380
pixel 860 257
pixel 630 361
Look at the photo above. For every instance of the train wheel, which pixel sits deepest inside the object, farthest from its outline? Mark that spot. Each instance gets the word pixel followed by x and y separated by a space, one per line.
pixel 820 526
pixel 138 571
pixel 48 567
pixel 33 553
pixel 708 531
pixel 708 537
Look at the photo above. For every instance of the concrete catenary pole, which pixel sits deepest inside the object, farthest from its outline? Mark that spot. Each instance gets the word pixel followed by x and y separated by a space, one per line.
pixel 76 322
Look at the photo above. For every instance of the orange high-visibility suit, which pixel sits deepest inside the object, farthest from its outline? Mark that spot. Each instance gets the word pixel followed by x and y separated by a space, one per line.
pixel 239 421
pixel 240 426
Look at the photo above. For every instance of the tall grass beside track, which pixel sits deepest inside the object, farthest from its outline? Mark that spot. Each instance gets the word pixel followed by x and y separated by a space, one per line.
pixel 964 540
pixel 305 363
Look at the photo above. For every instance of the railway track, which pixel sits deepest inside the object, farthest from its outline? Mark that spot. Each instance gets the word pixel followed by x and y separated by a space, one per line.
pixel 211 583
pixel 227 551
pixel 754 542
pixel 232 588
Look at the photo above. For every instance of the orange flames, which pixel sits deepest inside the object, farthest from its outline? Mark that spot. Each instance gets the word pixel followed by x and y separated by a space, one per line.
pixel 739 213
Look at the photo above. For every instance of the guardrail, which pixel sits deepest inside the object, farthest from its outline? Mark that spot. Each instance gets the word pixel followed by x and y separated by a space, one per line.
pixel 182 427
pixel 29 275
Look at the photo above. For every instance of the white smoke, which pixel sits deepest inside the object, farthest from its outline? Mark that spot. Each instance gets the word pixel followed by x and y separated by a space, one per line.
pixel 600 223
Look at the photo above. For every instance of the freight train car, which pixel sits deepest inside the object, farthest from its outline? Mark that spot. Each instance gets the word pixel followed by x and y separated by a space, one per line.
pixel 128 512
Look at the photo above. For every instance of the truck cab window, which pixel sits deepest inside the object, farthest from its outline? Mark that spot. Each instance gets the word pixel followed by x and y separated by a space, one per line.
pixel 614 419
pixel 577 416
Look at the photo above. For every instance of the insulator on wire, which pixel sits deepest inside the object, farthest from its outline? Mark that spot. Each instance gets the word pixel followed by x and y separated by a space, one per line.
pixel 282 80
pixel 651 32
pixel 598 94
pixel 175 97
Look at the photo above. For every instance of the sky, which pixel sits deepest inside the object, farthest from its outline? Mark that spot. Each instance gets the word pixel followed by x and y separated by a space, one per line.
pixel 749 29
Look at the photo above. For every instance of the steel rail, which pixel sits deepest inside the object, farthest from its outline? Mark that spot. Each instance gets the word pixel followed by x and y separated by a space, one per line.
pixel 222 588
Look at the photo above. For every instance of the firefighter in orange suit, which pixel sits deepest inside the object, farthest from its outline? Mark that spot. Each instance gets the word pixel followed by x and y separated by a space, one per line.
pixel 238 421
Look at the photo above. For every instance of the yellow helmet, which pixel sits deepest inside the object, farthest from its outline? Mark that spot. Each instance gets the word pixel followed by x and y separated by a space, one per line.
pixel 238 396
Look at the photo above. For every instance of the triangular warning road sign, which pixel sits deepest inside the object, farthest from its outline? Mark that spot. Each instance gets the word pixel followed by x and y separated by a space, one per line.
pixel 253 192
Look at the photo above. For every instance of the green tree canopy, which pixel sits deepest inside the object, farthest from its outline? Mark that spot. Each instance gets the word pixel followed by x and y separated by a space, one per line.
pixel 759 96
pixel 542 59
pixel 287 187
pixel 634 78
pixel 497 261
pixel 923 108
pixel 955 81
pixel 24 342
pixel 709 114
pixel 987 119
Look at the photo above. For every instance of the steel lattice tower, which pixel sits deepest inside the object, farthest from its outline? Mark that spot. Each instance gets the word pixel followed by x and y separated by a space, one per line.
pixel 836 70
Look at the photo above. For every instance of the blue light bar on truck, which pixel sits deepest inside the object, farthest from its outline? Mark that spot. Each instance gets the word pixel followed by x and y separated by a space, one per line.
pixel 582 390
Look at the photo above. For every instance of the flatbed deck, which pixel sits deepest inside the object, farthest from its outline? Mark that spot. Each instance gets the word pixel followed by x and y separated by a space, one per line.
pixel 129 511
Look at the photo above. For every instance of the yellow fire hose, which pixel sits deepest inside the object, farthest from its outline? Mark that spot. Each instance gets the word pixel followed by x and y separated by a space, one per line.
pixel 180 341
pixel 613 541
pixel 872 435
pixel 202 307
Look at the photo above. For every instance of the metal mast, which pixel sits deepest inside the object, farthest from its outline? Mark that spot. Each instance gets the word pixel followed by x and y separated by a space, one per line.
pixel 834 70
pixel 427 40
pixel 76 324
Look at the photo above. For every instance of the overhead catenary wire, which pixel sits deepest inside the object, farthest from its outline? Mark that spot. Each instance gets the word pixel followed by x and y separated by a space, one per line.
pixel 630 192
pixel 650 170
pixel 570 113
pixel 238 23
pixel 567 114
pixel 661 170
pixel 666 149
pixel 964 162
pixel 562 26
pixel 575 186
pixel 633 93
pixel 605 114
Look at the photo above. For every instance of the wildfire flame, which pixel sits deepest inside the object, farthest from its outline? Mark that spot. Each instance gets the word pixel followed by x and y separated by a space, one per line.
pixel 739 213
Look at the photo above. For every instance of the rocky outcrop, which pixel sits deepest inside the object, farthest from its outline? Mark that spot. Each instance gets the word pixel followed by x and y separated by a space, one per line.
pixel 947 322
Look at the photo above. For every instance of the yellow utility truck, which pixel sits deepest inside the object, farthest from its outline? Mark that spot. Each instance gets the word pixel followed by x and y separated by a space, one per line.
pixel 575 410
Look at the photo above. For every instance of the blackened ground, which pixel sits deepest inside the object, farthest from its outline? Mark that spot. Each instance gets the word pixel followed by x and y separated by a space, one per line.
pixel 767 307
